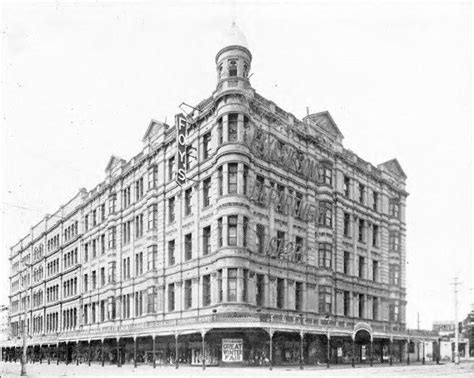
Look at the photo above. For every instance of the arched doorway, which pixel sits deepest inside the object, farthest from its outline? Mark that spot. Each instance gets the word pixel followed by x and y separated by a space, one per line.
pixel 362 338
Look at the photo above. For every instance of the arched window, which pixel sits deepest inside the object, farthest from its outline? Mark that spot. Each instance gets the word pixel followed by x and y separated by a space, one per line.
pixel 232 68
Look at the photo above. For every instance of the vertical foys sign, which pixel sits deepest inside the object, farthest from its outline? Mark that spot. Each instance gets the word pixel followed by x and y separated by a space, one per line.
pixel 181 127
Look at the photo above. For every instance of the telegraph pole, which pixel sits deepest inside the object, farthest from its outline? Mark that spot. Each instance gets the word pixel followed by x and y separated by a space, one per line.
pixel 456 329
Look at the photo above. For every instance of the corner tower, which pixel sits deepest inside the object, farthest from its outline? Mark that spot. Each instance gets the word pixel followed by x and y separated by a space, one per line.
pixel 233 63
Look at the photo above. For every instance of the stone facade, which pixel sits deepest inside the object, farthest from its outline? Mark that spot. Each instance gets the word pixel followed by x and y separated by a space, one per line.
pixel 141 255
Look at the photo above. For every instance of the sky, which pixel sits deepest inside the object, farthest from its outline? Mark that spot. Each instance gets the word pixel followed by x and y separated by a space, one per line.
pixel 81 81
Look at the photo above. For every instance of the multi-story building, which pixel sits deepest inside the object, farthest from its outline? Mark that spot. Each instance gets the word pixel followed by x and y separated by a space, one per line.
pixel 279 240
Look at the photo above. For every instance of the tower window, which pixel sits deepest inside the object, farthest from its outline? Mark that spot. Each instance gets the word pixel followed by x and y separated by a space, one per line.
pixel 232 68
pixel 246 69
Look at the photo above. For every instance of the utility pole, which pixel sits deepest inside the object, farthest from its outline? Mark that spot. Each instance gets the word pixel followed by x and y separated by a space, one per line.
pixel 456 329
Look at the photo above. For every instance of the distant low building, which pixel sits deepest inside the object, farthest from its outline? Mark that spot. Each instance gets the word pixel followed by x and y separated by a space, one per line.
pixel 467 330
pixel 4 329
pixel 447 332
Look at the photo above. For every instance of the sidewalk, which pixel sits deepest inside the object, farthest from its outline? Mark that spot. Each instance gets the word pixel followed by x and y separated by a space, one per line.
pixel 397 370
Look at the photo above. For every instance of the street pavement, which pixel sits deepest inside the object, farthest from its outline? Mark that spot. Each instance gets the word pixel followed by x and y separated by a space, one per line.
pixel 414 370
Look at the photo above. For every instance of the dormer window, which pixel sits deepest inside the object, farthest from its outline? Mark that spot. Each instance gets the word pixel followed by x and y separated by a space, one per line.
pixel 232 68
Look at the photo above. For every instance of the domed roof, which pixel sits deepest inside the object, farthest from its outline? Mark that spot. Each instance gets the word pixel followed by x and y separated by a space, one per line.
pixel 233 36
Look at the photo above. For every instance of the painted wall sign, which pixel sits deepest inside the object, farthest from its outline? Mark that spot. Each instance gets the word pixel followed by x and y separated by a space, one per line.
pixel 181 127
pixel 232 350
pixel 286 250
pixel 285 203
pixel 270 148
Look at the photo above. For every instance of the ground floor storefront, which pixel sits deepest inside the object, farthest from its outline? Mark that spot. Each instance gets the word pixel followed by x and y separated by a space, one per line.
pixel 224 347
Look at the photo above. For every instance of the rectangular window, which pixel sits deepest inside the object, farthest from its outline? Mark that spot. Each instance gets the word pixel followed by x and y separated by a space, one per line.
pixel 281 195
pixel 153 217
pixel 395 209
pixel 171 259
pixel 138 226
pixel 94 280
pixel 206 290
pixel 219 232
pixel 280 293
pixel 347 303
pixel 299 296
pixel 171 298
pixel 375 235
pixel 138 263
pixel 189 157
pixel 260 292
pixel 232 127
pixel 171 169
pixel 347 225
pixel 112 232
pixel 375 270
pixel 102 276
pixel 102 244
pixel 394 275
pixel 152 177
pixel 375 200
pixel 86 223
pixel 232 187
pixel 232 284
pixel 219 181
pixel 361 194
pixel 361 267
pixel 206 192
pixel 232 230
pixel 394 241
pixel 206 145
pixel 152 257
pixel 112 203
pixel 298 251
pixel 393 312
pixel 325 214
pixel 102 212
pixel 325 255
pixel 347 262
pixel 375 308
pixel 245 285
pixel 361 237
pixel 111 271
pixel 206 240
pixel 280 241
pixel 152 300
pixel 188 247
pixel 347 185
pixel 361 306
pixel 325 299
pixel 220 289
pixel 188 201
pixel 188 294
pixel 171 215
pixel 219 132
pixel 260 239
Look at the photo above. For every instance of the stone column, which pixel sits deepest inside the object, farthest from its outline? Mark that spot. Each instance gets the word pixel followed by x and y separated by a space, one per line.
pixel 225 281
pixel 240 127
pixel 225 128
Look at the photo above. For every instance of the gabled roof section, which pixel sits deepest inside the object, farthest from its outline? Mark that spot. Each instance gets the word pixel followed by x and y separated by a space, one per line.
pixel 152 129
pixel 394 167
pixel 326 123
pixel 114 161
